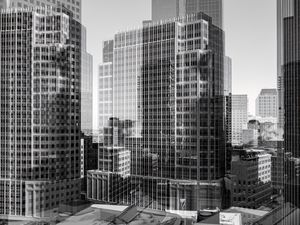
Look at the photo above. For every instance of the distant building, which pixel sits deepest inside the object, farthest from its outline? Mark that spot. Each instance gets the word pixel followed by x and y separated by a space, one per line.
pixel 228 97
pixel 250 137
pixel 267 103
pixel 251 178
pixel 228 108
pixel 167 9
pixel 239 117
pixel 86 86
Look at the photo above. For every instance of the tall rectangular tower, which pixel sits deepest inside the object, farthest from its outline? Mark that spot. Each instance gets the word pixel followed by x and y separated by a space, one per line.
pixel 40 108
pixel 74 6
pixel 291 89
pixel 167 9
pixel 285 8
pixel 239 117
pixel 168 111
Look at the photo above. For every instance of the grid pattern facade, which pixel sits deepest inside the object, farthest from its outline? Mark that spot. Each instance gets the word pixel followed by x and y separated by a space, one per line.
pixel 291 68
pixel 86 92
pixel 105 96
pixel 267 103
pixel 73 5
pixel 239 117
pixel 285 8
pixel 213 8
pixel 168 99
pixel 40 111
pixel 252 179
pixel 167 9
pixel 228 97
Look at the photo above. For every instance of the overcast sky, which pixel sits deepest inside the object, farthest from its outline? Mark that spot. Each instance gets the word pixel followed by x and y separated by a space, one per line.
pixel 250 28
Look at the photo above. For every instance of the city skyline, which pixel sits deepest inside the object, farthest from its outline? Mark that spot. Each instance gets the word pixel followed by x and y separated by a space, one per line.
pixel 243 82
pixel 132 112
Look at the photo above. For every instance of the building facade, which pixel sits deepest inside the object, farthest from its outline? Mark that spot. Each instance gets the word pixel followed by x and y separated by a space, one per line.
pixel 267 103
pixel 86 86
pixel 290 70
pixel 73 5
pixel 168 96
pixel 228 97
pixel 285 8
pixel 239 117
pixel 251 178
pixel 166 9
pixel 40 108
pixel 250 137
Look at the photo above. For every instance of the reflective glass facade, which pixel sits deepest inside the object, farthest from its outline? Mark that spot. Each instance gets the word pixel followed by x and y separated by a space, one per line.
pixel 40 111
pixel 168 112
pixel 166 9
pixel 291 69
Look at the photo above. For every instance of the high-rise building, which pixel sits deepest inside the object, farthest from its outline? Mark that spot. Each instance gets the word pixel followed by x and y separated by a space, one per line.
pixel 250 137
pixel 228 97
pixel 267 103
pixel 228 108
pixel 74 6
pixel 105 92
pixel 290 71
pixel 285 8
pixel 40 111
pixel 166 9
pixel 167 95
pixel 86 86
pixel 239 117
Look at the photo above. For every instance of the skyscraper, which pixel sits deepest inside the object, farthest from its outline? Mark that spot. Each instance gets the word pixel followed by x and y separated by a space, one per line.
pixel 86 86
pixel 228 97
pixel 239 117
pixel 168 111
pixel 267 103
pixel 40 108
pixel 290 71
pixel 285 8
pixel 166 9
pixel 75 8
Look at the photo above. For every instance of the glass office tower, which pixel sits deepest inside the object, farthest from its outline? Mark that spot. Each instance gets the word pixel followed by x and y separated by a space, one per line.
pixel 285 8
pixel 168 112
pixel 291 70
pixel 75 8
pixel 166 9
pixel 40 112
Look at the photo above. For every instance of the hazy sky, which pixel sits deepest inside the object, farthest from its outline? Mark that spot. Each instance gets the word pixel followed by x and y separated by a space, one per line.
pixel 250 27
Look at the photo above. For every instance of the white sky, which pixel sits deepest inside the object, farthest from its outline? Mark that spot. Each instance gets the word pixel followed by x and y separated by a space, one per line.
pixel 250 29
